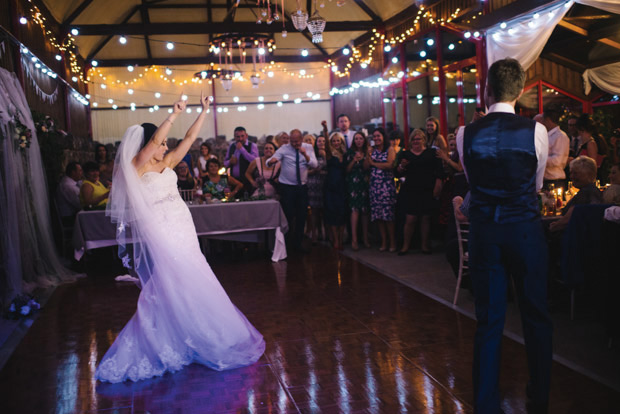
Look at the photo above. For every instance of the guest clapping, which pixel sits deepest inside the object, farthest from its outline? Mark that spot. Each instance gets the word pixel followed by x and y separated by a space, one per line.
pixel 262 176
pixel 382 188
pixel 335 189
pixel 423 172
pixel 357 187
pixel 218 186
pixel 93 194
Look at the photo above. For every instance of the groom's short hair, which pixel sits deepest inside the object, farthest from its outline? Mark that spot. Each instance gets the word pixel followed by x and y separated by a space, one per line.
pixel 505 80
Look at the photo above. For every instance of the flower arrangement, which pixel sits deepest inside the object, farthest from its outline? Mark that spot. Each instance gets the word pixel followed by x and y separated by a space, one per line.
pixel 22 134
pixel 22 305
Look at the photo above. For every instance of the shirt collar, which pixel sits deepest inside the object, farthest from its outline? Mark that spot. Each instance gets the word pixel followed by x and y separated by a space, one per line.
pixel 502 107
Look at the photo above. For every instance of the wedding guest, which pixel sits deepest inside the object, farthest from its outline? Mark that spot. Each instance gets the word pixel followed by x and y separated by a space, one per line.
pixel 335 189
pixel 559 144
pixel 106 164
pixel 316 187
pixel 185 181
pixel 309 139
pixel 205 155
pixel 282 139
pixel 423 174
pixel 612 193
pixel 583 175
pixel 358 177
pixel 588 133
pixel 239 156
pixel 93 194
pixel 218 186
pixel 395 140
pixel 262 176
pixel 68 193
pixel 504 157
pixel 380 159
pixel 344 125
pixel 295 160
pixel 434 138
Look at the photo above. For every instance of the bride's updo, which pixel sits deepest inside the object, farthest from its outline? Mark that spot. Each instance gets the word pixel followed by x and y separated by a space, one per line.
pixel 149 130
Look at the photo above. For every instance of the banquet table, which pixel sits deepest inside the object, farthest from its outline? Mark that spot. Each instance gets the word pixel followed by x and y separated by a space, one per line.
pixel 240 221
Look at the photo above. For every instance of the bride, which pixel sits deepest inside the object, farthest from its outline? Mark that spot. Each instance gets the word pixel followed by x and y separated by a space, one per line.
pixel 183 314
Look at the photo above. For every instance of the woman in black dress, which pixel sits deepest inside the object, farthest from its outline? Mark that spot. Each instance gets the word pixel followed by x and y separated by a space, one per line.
pixel 423 174
pixel 336 189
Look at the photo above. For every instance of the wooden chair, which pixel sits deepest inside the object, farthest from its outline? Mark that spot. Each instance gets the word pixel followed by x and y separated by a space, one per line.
pixel 187 195
pixel 462 232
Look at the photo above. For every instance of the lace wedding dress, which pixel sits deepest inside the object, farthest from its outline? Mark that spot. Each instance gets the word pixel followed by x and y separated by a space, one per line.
pixel 184 315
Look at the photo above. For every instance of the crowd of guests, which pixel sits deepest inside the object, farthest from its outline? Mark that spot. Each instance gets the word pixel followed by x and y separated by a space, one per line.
pixel 333 185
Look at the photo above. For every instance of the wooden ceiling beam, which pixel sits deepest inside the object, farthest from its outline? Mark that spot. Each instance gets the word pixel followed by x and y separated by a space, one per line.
pixel 105 41
pixel 569 63
pixel 374 16
pixel 144 13
pixel 598 35
pixel 202 60
pixel 77 12
pixel 214 28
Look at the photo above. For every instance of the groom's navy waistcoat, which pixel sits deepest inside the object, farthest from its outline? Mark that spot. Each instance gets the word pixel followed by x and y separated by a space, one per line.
pixel 500 159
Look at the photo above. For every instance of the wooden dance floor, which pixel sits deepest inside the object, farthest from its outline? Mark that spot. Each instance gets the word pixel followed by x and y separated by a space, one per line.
pixel 341 338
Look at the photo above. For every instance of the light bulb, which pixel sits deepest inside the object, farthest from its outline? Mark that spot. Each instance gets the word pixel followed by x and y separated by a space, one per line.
pixel 169 45
pixel 122 40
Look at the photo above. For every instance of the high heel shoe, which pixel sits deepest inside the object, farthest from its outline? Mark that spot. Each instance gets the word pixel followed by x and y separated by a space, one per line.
pixel 382 249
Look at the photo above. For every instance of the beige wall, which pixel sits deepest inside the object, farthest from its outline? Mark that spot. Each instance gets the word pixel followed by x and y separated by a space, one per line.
pixel 109 125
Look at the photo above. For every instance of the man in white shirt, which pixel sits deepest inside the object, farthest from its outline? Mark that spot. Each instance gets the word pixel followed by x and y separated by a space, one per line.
pixel 68 193
pixel 343 125
pixel 504 157
pixel 295 159
pixel 559 144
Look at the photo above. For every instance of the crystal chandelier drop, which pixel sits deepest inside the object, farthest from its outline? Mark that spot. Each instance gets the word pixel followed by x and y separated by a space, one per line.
pixel 300 18
pixel 316 25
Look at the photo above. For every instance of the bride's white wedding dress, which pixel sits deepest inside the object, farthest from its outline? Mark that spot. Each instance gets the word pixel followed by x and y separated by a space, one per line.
pixel 184 315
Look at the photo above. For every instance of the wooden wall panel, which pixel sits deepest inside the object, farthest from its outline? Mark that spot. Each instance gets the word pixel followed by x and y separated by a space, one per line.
pixel 369 100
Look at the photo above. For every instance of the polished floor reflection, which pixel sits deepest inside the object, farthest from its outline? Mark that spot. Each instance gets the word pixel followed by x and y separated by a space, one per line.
pixel 341 338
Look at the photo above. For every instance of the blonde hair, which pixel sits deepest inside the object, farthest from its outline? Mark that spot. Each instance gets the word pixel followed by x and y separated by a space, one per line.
pixel 586 164
pixel 311 137
pixel 421 133
pixel 328 144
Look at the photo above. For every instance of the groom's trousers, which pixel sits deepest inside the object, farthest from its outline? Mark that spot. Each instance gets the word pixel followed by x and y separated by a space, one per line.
pixel 496 252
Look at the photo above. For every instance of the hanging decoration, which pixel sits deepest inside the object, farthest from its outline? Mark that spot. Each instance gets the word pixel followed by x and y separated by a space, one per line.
pixel 284 32
pixel 300 18
pixel 45 97
pixel 316 25
pixel 21 133
pixel 224 46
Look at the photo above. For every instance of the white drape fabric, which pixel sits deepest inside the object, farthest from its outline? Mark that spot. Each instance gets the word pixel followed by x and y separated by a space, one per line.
pixel 524 37
pixel 606 77
pixel 26 242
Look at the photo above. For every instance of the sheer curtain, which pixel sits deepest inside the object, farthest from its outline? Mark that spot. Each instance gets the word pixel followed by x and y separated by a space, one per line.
pixel 28 251
pixel 524 38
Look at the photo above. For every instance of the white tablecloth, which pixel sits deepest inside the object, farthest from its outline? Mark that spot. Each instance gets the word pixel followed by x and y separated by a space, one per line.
pixel 241 221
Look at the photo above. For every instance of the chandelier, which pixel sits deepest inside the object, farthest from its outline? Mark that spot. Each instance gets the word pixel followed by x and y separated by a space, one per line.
pixel 316 25
pixel 300 18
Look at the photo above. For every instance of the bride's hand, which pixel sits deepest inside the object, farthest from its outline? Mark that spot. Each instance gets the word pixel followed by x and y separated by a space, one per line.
pixel 204 101
pixel 179 106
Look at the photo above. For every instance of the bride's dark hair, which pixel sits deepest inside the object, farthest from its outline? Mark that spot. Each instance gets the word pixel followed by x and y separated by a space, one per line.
pixel 149 130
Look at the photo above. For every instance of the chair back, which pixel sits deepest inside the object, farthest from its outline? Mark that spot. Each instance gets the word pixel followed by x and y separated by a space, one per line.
pixel 462 233
pixel 187 195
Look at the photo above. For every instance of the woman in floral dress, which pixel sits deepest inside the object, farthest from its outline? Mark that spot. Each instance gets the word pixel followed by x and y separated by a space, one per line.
pixel 382 188
pixel 357 187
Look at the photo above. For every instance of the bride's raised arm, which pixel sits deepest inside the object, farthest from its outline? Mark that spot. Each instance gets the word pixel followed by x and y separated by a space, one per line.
pixel 176 155
pixel 148 151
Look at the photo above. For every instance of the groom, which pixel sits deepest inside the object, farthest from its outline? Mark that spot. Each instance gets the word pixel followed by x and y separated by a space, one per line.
pixel 504 157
